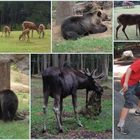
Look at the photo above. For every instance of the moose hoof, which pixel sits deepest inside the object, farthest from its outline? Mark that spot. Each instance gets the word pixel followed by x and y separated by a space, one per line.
pixel 44 131
pixel 80 125
pixel 61 130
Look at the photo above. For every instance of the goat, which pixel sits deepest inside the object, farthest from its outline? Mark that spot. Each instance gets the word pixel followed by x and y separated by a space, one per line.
pixel 25 33
pixel 127 20
pixel 60 83
pixel 30 25
pixel 6 30
pixel 41 29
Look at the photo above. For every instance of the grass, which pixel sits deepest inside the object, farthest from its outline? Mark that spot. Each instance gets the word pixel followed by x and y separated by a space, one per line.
pixel 130 30
pixel 12 43
pixel 102 123
pixel 84 45
pixel 16 129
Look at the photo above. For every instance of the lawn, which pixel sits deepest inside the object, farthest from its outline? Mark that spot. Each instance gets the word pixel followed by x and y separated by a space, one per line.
pixel 12 43
pixel 130 30
pixel 17 129
pixel 102 123
pixel 84 44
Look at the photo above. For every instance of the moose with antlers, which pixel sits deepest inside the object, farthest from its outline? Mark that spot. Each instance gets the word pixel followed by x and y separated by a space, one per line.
pixel 62 82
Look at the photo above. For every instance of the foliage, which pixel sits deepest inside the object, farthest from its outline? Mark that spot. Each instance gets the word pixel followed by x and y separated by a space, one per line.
pixel 12 43
pixel 102 123
pixel 130 30
pixel 13 13
pixel 84 45
pixel 17 129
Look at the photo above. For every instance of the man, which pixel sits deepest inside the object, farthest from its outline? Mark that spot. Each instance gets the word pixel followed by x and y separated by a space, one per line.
pixel 130 88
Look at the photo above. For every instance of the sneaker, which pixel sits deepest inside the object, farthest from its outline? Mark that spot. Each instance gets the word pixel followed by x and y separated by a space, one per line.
pixel 123 130
pixel 137 113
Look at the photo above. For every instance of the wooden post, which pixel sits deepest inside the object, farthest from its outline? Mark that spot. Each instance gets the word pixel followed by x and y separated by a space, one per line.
pixel 4 74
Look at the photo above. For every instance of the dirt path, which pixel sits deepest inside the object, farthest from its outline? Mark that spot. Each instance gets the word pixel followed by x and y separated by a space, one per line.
pixel 132 120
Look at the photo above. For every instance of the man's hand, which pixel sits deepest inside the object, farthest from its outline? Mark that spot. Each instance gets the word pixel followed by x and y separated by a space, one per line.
pixel 125 87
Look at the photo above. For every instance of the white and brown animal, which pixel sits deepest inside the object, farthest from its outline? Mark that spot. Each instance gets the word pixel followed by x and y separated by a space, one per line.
pixel 41 29
pixel 25 34
pixel 30 25
pixel 6 30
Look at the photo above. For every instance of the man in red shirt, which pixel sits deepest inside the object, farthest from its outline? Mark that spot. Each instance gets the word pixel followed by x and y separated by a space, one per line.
pixel 130 87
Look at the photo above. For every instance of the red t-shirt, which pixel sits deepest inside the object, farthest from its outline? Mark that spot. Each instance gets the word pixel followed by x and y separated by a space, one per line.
pixel 135 75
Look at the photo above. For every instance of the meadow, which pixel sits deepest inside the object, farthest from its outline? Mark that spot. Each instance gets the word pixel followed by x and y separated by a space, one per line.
pixel 17 129
pixel 99 127
pixel 130 30
pixel 13 44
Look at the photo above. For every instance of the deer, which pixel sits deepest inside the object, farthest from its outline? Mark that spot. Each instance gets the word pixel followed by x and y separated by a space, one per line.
pixel 30 25
pixel 59 83
pixel 25 33
pixel 41 29
pixel 128 4
pixel 127 20
pixel 6 31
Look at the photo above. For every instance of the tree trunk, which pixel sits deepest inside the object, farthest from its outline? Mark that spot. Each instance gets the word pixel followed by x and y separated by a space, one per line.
pixel 5 75
pixel 64 9
pixel 55 60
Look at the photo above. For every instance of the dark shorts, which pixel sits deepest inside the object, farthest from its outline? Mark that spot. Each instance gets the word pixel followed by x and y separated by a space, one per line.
pixel 130 95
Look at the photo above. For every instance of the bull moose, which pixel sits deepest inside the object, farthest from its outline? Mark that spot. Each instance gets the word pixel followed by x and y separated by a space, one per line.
pixel 62 82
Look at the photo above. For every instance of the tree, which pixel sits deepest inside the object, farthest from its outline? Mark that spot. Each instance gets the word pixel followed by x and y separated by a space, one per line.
pixel 5 74
pixel 63 9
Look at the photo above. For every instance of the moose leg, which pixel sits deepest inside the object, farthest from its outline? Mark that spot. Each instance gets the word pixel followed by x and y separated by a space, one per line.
pixel 56 109
pixel 46 97
pixel 118 27
pixel 137 27
pixel 86 99
pixel 123 29
pixel 74 101
pixel 61 109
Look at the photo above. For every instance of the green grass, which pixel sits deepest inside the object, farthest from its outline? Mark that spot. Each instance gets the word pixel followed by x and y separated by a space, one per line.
pixel 12 43
pixel 130 30
pixel 102 123
pixel 16 129
pixel 84 45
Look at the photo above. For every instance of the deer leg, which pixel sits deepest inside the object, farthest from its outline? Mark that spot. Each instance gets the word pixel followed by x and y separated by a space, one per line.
pixel 28 38
pixel 86 99
pixel 118 27
pixel 32 33
pixel 61 109
pixel 56 110
pixel 74 102
pixel 123 29
pixel 46 97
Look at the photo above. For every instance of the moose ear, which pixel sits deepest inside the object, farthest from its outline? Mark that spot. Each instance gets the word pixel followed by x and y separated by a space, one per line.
pixel 102 8
pixel 99 14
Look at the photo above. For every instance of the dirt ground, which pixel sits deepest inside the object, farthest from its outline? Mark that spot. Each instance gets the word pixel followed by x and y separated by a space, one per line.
pixel 56 30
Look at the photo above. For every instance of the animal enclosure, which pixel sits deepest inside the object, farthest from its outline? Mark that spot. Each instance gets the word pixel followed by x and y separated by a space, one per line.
pixel 17 18
pixel 14 97
pixel 130 30
pixel 71 25
pixel 91 126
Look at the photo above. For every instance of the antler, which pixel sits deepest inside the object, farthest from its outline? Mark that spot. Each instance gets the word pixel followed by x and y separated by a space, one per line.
pixel 99 76
pixel 87 72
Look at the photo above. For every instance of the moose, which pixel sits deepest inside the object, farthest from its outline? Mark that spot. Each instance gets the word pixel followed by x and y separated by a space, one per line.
pixel 74 27
pixel 41 29
pixel 30 25
pixel 62 82
pixel 6 31
pixel 25 33
pixel 8 105
pixel 127 20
